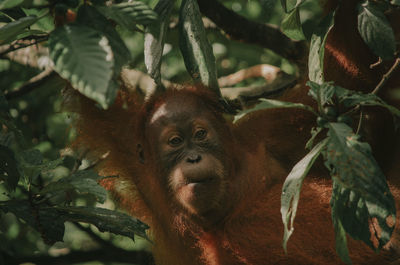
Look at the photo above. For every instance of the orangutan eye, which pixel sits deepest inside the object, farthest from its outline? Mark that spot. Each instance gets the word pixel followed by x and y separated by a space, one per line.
pixel 175 140
pixel 200 134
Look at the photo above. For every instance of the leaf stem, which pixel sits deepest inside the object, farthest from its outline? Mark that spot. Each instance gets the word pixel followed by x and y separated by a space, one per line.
pixel 360 121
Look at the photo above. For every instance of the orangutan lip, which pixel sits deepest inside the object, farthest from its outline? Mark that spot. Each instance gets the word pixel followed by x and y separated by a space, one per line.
pixel 200 180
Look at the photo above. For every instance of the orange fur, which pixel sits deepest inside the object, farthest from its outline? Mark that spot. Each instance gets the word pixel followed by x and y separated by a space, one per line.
pixel 251 233
pixel 264 145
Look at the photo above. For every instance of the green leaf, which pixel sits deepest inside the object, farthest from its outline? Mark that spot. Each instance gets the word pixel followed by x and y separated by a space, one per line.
pixel 10 31
pixel 8 167
pixel 5 4
pixel 32 157
pixel 90 17
pixel 29 32
pixel 289 5
pixel 375 30
pixel 272 104
pixel 85 58
pixel 196 50
pixel 323 93
pixel 31 163
pixel 395 2
pixel 105 220
pixel 292 187
pixel 127 14
pixel 340 235
pixel 317 50
pixel 267 7
pixel 81 182
pixel 361 199
pixel 47 221
pixel 291 26
pixel 353 98
pixel 314 133
pixel 154 39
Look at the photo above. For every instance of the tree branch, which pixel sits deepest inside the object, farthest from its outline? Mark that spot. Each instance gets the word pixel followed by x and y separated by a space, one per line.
pixel 277 82
pixel 267 36
pixel 268 72
pixel 33 83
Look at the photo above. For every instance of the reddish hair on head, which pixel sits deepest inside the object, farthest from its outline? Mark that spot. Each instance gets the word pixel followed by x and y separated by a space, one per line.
pixel 202 93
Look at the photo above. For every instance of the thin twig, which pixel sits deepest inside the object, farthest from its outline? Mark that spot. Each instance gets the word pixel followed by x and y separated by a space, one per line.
pixel 381 84
pixel 18 45
pixel 386 77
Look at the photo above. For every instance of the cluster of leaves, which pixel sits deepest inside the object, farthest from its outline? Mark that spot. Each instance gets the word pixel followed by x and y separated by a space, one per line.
pixel 88 51
pixel 39 188
pixel 47 207
pixel 373 25
pixel 360 193
pixel 196 50
pixel 88 43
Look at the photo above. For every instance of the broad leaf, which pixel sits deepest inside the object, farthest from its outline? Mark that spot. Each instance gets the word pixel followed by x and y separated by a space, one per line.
pixel 8 167
pixel 154 39
pixel 272 104
pixel 317 50
pixel 314 133
pixel 196 50
pixel 289 5
pixel 10 31
pixel 32 157
pixel 292 187
pixel 47 221
pixel 81 182
pixel 127 14
pixel 323 93
pixel 291 26
pixel 30 32
pixel 52 219
pixel 105 220
pixel 340 233
pixel 395 2
pixel 85 58
pixel 5 4
pixel 90 17
pixel 31 162
pixel 361 199
pixel 353 98
pixel 376 30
